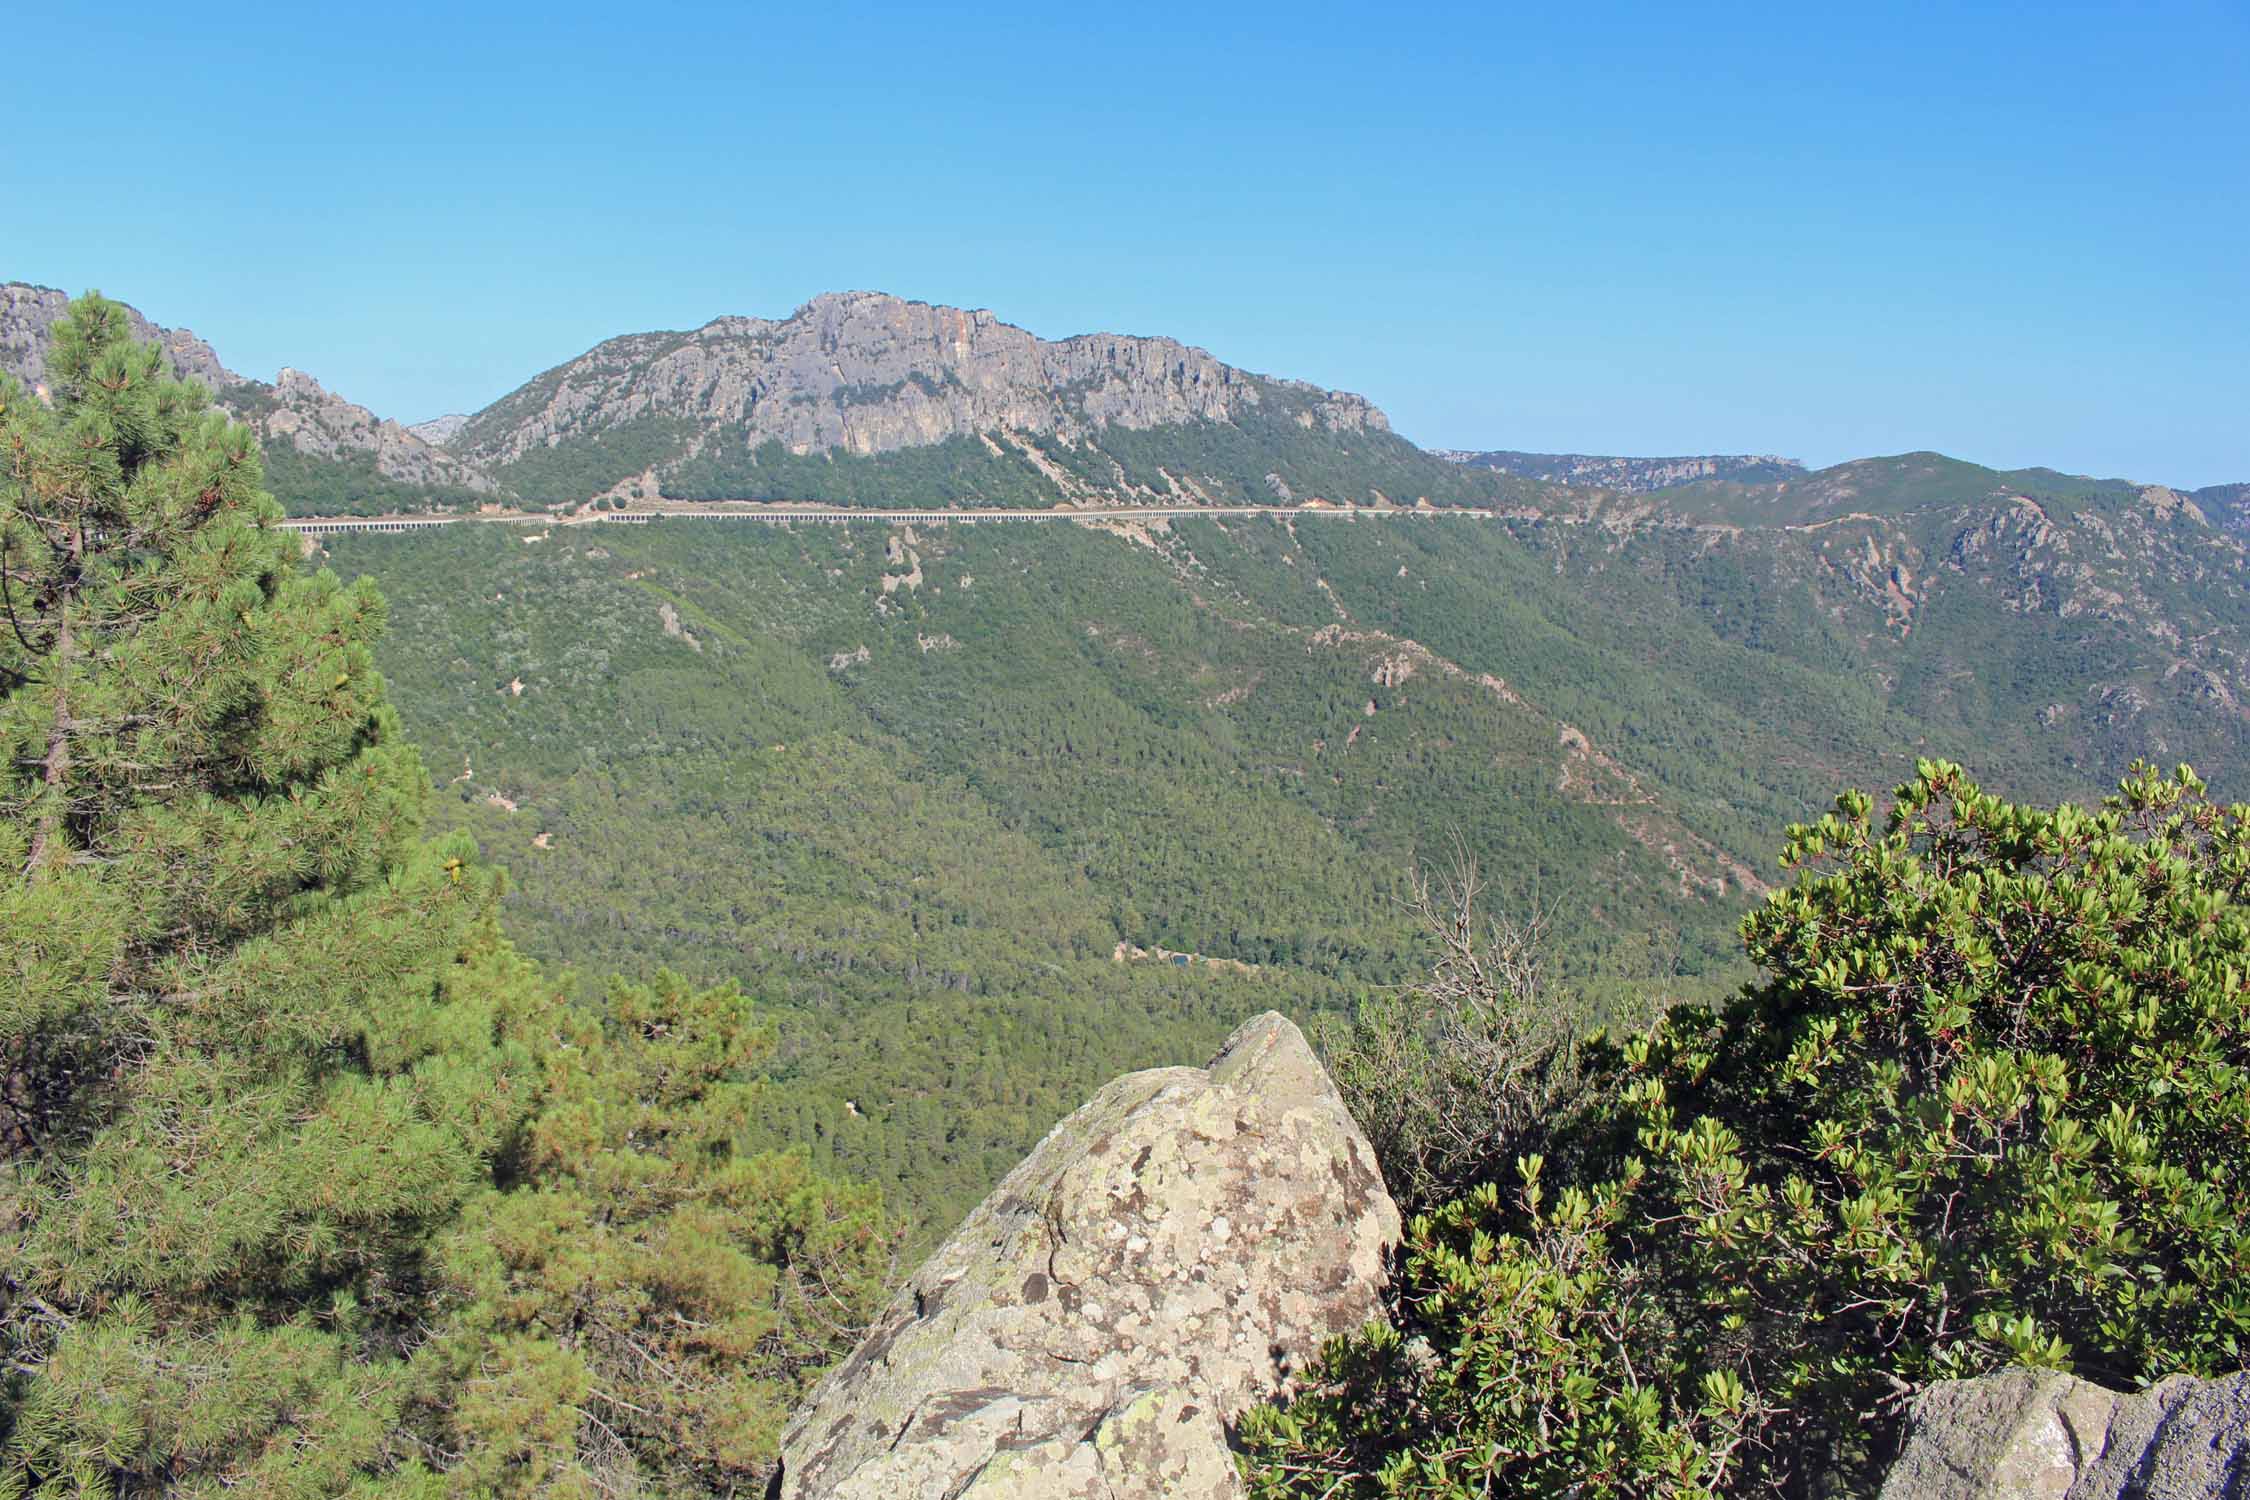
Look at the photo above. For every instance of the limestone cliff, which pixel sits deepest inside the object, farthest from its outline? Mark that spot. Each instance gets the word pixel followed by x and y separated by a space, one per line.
pixel 864 373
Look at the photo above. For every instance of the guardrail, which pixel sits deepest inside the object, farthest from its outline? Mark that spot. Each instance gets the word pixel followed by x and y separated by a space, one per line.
pixel 343 525
pixel 329 525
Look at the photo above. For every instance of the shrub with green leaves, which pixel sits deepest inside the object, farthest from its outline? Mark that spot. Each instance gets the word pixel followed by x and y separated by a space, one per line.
pixel 1989 1104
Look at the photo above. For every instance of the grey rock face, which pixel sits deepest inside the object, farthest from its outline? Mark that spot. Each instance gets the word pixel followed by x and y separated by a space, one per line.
pixel 863 373
pixel 1158 1264
pixel 315 420
pixel 28 315
pixel 2039 1435
pixel 296 409
pixel 438 431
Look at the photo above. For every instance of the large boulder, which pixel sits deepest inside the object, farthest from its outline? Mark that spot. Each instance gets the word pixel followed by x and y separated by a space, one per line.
pixel 1162 1261
pixel 2040 1435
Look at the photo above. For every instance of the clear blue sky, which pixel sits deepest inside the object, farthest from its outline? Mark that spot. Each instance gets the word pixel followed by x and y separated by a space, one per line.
pixel 2018 234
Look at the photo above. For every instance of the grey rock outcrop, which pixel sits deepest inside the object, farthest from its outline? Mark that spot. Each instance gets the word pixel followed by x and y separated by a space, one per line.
pixel 295 409
pixel 865 373
pixel 438 431
pixel 315 420
pixel 1162 1261
pixel 2040 1435
pixel 29 313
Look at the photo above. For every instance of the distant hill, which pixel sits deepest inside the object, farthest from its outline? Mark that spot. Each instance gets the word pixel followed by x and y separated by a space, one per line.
pixel 2228 505
pixel 438 431
pixel 1628 475
pixel 1896 485
pixel 324 455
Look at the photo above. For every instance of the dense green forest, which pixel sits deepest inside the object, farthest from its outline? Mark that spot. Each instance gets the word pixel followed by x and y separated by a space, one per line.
pixel 921 822
pixel 915 789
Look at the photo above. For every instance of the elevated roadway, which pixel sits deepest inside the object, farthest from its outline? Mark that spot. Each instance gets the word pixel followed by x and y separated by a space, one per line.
pixel 774 514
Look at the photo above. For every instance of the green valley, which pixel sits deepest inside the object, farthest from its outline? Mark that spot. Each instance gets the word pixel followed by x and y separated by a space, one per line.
pixel 926 792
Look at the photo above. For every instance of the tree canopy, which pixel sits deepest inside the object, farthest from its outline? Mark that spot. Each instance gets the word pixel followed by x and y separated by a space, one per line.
pixel 281 1113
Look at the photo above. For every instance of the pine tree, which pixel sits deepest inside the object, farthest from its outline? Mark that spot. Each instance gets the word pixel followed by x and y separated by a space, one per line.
pixel 254 1030
pixel 308 1184
pixel 643 1308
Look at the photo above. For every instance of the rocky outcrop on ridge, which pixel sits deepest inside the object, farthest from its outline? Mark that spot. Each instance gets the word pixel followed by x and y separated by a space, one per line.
pixel 1162 1261
pixel 438 431
pixel 2043 1435
pixel 866 373
pixel 1634 476
pixel 316 421
pixel 295 409
pixel 29 313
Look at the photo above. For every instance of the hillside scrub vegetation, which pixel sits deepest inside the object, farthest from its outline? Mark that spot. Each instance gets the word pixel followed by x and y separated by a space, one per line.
pixel 917 819
pixel 928 826
pixel 1987 1104
pixel 309 1185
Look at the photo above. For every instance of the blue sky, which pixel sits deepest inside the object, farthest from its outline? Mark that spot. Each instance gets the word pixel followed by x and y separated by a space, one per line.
pixel 2018 234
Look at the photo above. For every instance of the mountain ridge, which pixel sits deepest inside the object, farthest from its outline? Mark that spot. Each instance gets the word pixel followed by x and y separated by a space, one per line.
pixel 733 408
pixel 1628 475
pixel 869 399
pixel 319 446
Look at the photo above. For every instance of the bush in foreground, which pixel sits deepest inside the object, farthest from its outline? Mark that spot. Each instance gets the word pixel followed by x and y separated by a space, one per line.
pixel 1989 1105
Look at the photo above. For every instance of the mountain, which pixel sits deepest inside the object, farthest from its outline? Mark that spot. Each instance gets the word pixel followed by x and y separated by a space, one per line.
pixel 1627 475
pixel 324 455
pixel 984 815
pixel 864 398
pixel 859 398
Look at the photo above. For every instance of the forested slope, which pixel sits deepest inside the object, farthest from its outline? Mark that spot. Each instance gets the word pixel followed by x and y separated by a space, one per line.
pixel 919 790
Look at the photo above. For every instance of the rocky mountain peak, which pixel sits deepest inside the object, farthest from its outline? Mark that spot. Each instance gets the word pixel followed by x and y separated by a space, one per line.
pixel 295 410
pixel 29 313
pixel 865 373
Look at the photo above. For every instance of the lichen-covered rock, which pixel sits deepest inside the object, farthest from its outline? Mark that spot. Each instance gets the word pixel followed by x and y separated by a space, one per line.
pixel 2040 1435
pixel 1159 1263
